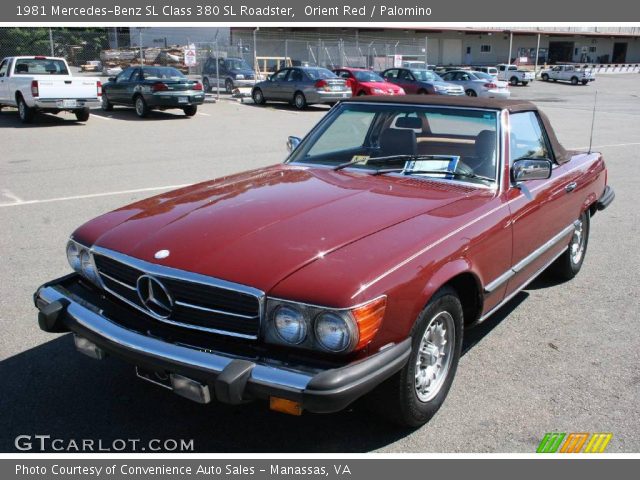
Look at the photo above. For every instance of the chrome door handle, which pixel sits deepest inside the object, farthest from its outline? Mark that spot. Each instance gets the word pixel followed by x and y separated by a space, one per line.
pixel 570 187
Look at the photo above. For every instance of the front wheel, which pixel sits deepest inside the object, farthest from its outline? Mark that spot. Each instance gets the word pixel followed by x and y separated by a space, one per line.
pixel 584 82
pixel 545 77
pixel 82 115
pixel 107 106
pixel 206 85
pixel 228 85
pixel 142 110
pixel 191 110
pixel 471 93
pixel 570 262
pixel 524 84
pixel 258 97
pixel 300 101
pixel 412 396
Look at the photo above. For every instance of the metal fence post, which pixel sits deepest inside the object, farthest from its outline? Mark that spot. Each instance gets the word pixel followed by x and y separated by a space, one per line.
pixel 51 42
pixel 426 52
pixel 217 72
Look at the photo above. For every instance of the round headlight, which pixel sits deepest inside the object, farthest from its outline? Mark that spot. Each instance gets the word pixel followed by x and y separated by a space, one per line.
pixel 333 332
pixel 87 267
pixel 290 324
pixel 73 255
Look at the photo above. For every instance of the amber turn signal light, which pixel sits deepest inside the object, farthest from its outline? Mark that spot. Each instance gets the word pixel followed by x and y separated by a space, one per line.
pixel 283 405
pixel 369 318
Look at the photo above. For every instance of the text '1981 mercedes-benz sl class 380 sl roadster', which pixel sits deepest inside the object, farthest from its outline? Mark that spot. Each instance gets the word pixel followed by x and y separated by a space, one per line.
pixel 350 270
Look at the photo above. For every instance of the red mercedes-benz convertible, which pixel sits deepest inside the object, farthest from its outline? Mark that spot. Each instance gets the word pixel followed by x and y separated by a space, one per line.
pixel 351 269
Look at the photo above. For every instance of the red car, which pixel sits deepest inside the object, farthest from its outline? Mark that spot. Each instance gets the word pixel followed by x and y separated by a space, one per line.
pixel 352 268
pixel 366 82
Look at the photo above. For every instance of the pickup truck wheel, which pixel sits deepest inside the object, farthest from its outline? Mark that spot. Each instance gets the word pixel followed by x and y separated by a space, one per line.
pixel 545 77
pixel 570 262
pixel 258 97
pixel 106 105
pixel 191 110
pixel 82 115
pixel 574 80
pixel 513 81
pixel 142 110
pixel 206 85
pixel 25 112
pixel 412 396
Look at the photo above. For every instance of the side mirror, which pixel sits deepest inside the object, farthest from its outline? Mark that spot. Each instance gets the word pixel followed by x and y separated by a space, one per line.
pixel 530 169
pixel 111 79
pixel 292 143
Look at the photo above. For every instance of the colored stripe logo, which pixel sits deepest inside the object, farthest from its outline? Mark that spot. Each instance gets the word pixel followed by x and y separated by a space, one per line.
pixel 574 442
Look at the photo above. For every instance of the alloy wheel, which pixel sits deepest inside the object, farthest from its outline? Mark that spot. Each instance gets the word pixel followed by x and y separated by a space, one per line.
pixel 434 356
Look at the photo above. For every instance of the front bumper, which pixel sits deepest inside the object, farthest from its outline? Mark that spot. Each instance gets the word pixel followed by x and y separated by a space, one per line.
pixel 607 197
pixel 65 306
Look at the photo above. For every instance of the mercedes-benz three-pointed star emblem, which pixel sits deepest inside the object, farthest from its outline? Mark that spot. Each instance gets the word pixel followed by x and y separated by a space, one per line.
pixel 154 296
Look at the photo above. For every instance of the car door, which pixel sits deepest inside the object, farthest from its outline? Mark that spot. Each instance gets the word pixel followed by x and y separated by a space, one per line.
pixel 407 81
pixel 4 80
pixel 391 75
pixel 117 89
pixel 293 82
pixel 273 88
pixel 541 210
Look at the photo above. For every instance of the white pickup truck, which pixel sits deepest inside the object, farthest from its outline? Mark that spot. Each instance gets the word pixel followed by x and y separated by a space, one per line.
pixel 45 84
pixel 514 75
pixel 568 73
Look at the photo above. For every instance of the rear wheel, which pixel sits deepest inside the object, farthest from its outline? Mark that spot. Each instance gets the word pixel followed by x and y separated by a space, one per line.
pixel 206 85
pixel 258 97
pixel 574 80
pixel 414 395
pixel 142 110
pixel 300 101
pixel 82 115
pixel 107 106
pixel 570 262
pixel 545 77
pixel 513 81
pixel 471 93
pixel 25 112
pixel 191 110
pixel 228 85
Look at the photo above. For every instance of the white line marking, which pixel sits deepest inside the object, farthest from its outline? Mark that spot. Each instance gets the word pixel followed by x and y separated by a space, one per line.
pixel 92 195
pixel 99 116
pixel 205 114
pixel 606 146
pixel 11 195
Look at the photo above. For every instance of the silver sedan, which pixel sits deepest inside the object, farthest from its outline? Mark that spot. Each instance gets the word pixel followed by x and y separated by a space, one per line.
pixel 301 86
pixel 478 84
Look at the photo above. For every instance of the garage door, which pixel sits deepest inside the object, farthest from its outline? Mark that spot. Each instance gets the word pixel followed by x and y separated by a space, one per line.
pixel 452 51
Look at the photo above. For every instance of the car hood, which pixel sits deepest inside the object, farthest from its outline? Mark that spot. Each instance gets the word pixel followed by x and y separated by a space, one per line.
pixel 259 227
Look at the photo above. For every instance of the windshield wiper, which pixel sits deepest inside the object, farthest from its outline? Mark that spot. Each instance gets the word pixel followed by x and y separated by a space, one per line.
pixel 433 172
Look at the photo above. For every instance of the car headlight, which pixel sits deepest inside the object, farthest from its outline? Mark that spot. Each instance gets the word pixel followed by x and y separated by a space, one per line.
pixel 81 260
pixel 334 332
pixel 377 90
pixel 73 255
pixel 438 88
pixel 290 324
pixel 239 76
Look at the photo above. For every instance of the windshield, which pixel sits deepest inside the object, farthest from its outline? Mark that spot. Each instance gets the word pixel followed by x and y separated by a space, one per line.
pixel 363 76
pixel 411 138
pixel 237 64
pixel 319 73
pixel 162 73
pixel 40 66
pixel 426 76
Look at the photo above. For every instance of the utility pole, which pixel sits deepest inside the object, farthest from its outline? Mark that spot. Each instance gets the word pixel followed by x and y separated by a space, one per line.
pixel 510 46
pixel 140 43
pixel 535 69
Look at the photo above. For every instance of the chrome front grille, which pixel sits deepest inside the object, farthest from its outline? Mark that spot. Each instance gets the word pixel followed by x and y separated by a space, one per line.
pixel 198 302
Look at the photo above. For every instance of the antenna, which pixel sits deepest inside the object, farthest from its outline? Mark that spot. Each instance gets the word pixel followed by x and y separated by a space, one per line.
pixel 593 120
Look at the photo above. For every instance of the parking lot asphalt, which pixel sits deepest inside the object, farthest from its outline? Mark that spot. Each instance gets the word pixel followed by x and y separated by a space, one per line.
pixel 557 358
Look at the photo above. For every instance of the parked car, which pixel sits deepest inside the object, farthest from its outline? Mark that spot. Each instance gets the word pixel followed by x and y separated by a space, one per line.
pixel 421 82
pixel 366 82
pixel 419 64
pixel 231 72
pixel 568 73
pixel 493 71
pixel 353 268
pixel 44 84
pixel 301 86
pixel 153 88
pixel 514 75
pixel 478 84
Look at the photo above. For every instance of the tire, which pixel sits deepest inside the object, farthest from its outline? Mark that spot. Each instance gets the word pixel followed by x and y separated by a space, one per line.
pixel 191 110
pixel 398 398
pixel 584 82
pixel 524 84
pixel 258 97
pixel 82 115
pixel 107 106
pixel 361 93
pixel 513 81
pixel 423 92
pixel 206 85
pixel 471 93
pixel 574 80
pixel 25 113
pixel 545 77
pixel 299 101
pixel 228 85
pixel 570 262
pixel 141 107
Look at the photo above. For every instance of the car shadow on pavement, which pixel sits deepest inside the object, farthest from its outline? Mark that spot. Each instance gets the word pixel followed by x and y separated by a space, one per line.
pixel 123 113
pixel 9 119
pixel 283 106
pixel 53 390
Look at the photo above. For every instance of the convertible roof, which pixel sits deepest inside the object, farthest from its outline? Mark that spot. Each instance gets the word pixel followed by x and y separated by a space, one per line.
pixel 512 106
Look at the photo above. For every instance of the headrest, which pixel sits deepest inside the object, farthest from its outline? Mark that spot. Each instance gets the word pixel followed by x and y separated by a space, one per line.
pixel 413 123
